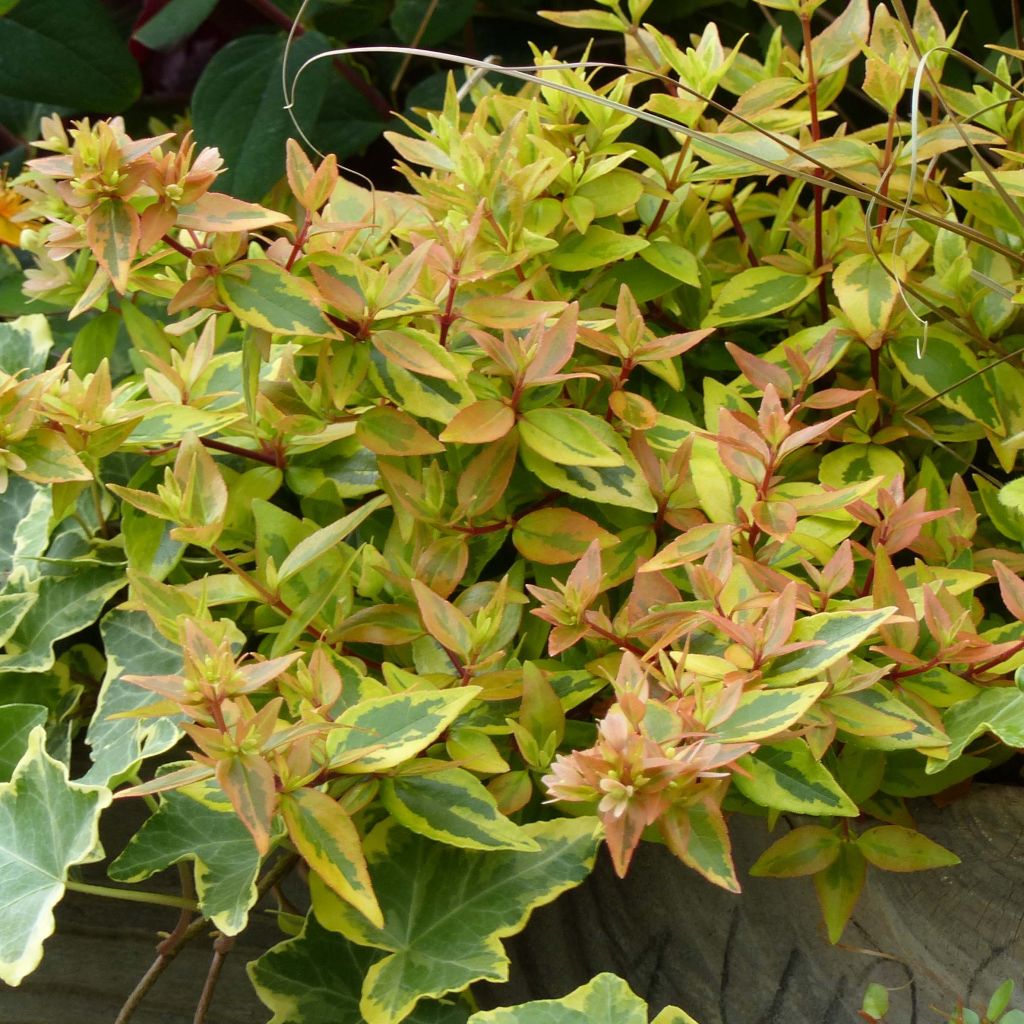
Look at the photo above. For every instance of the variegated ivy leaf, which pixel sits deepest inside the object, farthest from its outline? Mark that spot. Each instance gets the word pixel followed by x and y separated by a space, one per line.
pixel 200 825
pixel 47 824
pixel 998 710
pixel 133 647
pixel 446 910
pixel 65 605
pixel 16 724
pixel 25 342
pixel 24 526
pixel 318 977
pixel 606 999
pixel 835 634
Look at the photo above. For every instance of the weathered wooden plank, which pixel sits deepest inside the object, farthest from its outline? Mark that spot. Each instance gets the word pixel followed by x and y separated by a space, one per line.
pixel 761 958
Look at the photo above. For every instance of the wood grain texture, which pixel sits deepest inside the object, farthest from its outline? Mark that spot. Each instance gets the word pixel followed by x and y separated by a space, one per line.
pixel 759 958
pixel 762 958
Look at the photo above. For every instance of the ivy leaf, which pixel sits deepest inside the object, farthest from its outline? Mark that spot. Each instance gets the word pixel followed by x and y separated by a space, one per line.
pixel 66 604
pixel 452 806
pixel 25 342
pixel 47 824
pixel 786 777
pixel 893 848
pixel 207 831
pixel 606 999
pixel 133 647
pixel 999 710
pixel 444 932
pixel 16 723
pixel 382 732
pixel 318 976
pixel 24 527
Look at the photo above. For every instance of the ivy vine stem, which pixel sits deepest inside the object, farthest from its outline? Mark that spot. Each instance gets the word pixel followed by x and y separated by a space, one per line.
pixel 158 899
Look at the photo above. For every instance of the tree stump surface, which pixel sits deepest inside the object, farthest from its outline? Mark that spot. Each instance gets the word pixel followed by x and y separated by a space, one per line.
pixel 763 958
pixel 759 958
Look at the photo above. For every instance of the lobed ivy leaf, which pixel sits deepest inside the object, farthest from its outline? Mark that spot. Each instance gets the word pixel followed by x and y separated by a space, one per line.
pixel 198 824
pixel 998 710
pixel 47 824
pixel 16 724
pixel 444 931
pixel 605 999
pixel 133 647
pixel 318 976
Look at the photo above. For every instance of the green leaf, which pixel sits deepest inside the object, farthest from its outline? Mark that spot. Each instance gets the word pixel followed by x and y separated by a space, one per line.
pixel 836 634
pixel 852 463
pixel 13 608
pixel 25 342
pixel 606 999
pixel 47 824
pixel 554 536
pixel 262 294
pixel 804 851
pixel 208 832
pixel 16 723
pixel 623 485
pixel 758 292
pixel 698 835
pixel 944 362
pixel 173 23
pixel 568 436
pixel 388 431
pixel 428 22
pixel 382 732
pixel 430 397
pixel 237 107
pixel 876 1001
pixel 66 605
pixel 867 293
pixel 998 710
pixel 908 773
pixel 67 54
pixel 842 40
pixel 24 527
pixel 838 888
pixel 325 836
pixel 133 647
pixel 316 545
pixel 318 977
pixel 786 777
pixel 882 721
pixel 444 931
pixel 452 806
pixel 597 248
pixel 893 848
pixel 763 713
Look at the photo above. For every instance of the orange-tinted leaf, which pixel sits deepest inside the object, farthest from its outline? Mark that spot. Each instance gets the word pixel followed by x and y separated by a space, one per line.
pixel 444 622
pixel 215 211
pixel 325 836
pixel 248 782
pixel 480 423
pixel 112 232
pixel 482 484
pixel 553 536
pixel 389 431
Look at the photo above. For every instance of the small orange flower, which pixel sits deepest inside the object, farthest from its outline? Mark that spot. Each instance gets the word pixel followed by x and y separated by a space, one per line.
pixel 11 204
